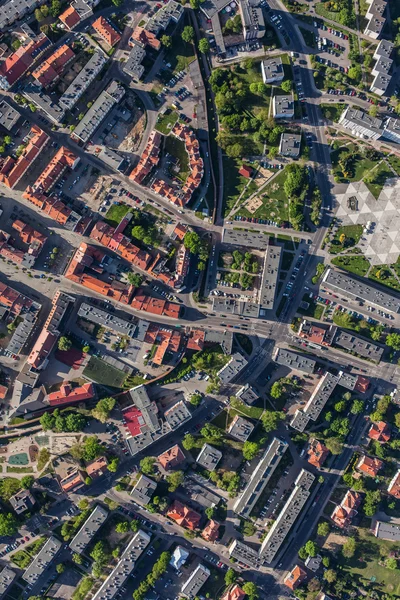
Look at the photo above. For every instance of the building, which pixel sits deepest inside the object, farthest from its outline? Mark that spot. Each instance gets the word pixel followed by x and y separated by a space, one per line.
pixel 379 432
pixel 11 170
pixel 83 80
pixel 8 115
pixel 22 501
pixel 64 159
pixel 177 415
pixel 283 107
pixel 376 18
pixel 73 481
pixel 106 319
pixel 50 69
pixel 269 278
pixel 197 579
pixel 143 490
pixel 260 477
pixel 394 485
pixel 125 566
pixel 347 509
pixel 149 158
pixel 361 124
pixel 316 334
pixel 316 403
pixel 42 560
pixel 179 557
pixel 295 578
pixel 171 12
pixel 317 453
pixel 70 17
pixel 143 38
pixel 106 31
pixel 7 577
pixel 184 516
pixel 88 530
pixel 211 531
pixel 155 306
pixel 198 490
pixel 234 593
pixel 232 368
pixel 369 466
pixel 246 171
pixel 387 531
pixel 244 554
pixel 287 517
pixel 294 361
pixel 18 63
pixel 171 458
pixel 290 145
pixel 391 130
pixel 272 70
pixel 69 395
pixel 98 111
pixel 358 346
pixel 133 65
pixel 252 19
pixel 382 67
pixel 247 394
pixel 240 428
pixel 209 457
pixel 352 288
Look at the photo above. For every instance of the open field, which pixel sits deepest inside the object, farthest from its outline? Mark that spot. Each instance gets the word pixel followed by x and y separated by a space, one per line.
pixel 100 372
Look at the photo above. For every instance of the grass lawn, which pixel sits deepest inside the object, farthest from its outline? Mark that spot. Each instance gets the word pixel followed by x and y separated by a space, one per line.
pixel 275 204
pixel 322 11
pixel 308 37
pixel 180 55
pixel 367 565
pixel 382 274
pixel 234 184
pixel 115 213
pixel 394 161
pixel 254 412
pixel 353 234
pixel 358 265
pixel 359 168
pixel 100 372
pixel 381 173
pixel 177 149
pixel 315 309
pixel 166 121
pixel 333 111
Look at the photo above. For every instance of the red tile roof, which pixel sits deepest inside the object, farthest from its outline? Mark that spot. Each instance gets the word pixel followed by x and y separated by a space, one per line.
pixel 41 350
pixel 52 67
pixel 394 485
pixel 12 170
pixel 369 466
pixel 196 339
pixel 61 160
pixel 3 391
pixel 171 458
pixel 379 432
pixel 246 171
pixel 155 306
pixel 296 576
pixel 180 231
pixel 362 384
pixel 235 593
pixel 68 395
pixel 145 38
pixel 107 31
pixel 317 453
pixel 13 300
pixel 16 64
pixel 211 531
pixel 97 467
pixel 184 516
pixel 346 510
pixel 70 17
pixel 72 480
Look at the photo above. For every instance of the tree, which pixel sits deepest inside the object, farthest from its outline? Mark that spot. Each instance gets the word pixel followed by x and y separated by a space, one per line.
pixel 175 480
pixel 210 512
pixel 357 407
pixel 122 527
pixel 211 432
pixel 92 448
pixel 113 465
pixel 27 482
pixel 86 348
pixel 39 15
pixel 277 390
pixel 192 242
pixel 77 558
pixel 349 548
pixel 55 8
pixel 189 442
pixel 326 561
pixel 135 525
pixel 99 553
pixel 391 563
pixel 83 504
pixel 250 450
pixel 8 524
pixel 204 46
pixel 323 528
pixel 195 399
pixel 251 590
pixel 311 548
pixel 103 408
pixel 88 480
pixel 330 576
pixel 64 343
pixel 286 85
pixel 7 140
pixel 116 552
pixel 340 406
pixel 303 553
pixel 47 421
pixel 230 577
pixel 393 341
pixel 166 41
pixel 270 419
pixel 147 465
pixel 371 502
pixel 188 34
pixel 195 4
pixel 16 44
pixel 134 279
pixel 60 568
pixel 373 111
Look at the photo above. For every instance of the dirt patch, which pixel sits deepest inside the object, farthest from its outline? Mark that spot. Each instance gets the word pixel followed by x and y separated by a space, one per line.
pixel 253 204
pixel 263 176
pixel 33 453
pixel 334 542
pixel 98 189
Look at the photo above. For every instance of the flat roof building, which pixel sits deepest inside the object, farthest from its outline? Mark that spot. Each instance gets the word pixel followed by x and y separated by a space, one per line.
pixel 8 115
pixel 387 531
pixel 124 568
pixel 352 288
pixel 133 65
pixel 88 530
pixel 361 124
pixel 209 457
pixel 143 490
pixel 247 394
pixel 244 554
pixel 294 361
pixel 252 19
pixel 317 401
pixel 260 477
pixel 356 345
pixel 197 579
pixel 287 517
pixel 272 70
pixel 106 319
pixel 232 369
pixel 283 107
pixel 7 577
pixel 269 278
pixel 42 560
pixel 240 428
pixel 290 145
pixel 83 80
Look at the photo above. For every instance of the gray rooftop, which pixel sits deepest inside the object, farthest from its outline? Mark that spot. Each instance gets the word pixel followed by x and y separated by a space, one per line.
pixel 385 49
pixel 353 288
pixel 252 18
pixel 211 7
pixel 287 517
pixel 198 489
pixel 142 401
pixel 124 568
pixel 22 501
pixel 354 344
pixel 240 428
pixel 133 65
pixel 22 333
pixel 13 10
pixel 89 529
pixel 143 490
pixel 299 420
pixel 33 91
pixel 387 531
pixel 106 319
pixel 209 457
pixel 8 115
pixel 235 237
pixel 98 112
pixel 244 554
pixel 290 145
pixel 272 69
pixel 347 380
pixel 294 361
pixel 232 369
pixel 283 105
pixel 7 577
pixel 260 477
pixel 223 338
pixel 269 277
pixel 177 414
pixel 42 560
pixel 82 81
pixel 320 395
pixel 353 118
pixel 172 11
pixel 248 394
pixel 197 579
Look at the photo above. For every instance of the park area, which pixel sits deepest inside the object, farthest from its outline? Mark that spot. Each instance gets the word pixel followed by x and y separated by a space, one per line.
pixel 358 265
pixel 100 372
pixel 349 164
pixel 274 203
pixel 166 121
pixel 345 237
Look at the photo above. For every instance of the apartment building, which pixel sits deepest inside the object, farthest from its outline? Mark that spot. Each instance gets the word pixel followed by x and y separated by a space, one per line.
pixel 272 70
pixel 50 69
pixel 11 169
pixel 252 19
pixel 376 18
pixel 382 67
pixel 83 80
pixel 361 124
pixel 197 579
pixel 18 63
pixel 42 560
pixel 283 107
pixel 88 530
pixel 232 368
pixel 106 31
pixel 294 361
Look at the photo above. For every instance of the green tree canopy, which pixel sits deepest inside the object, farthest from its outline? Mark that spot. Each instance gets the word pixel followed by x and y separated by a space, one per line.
pixel 147 465
pixel 64 343
pixel 204 46
pixel 103 408
pixel 188 34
